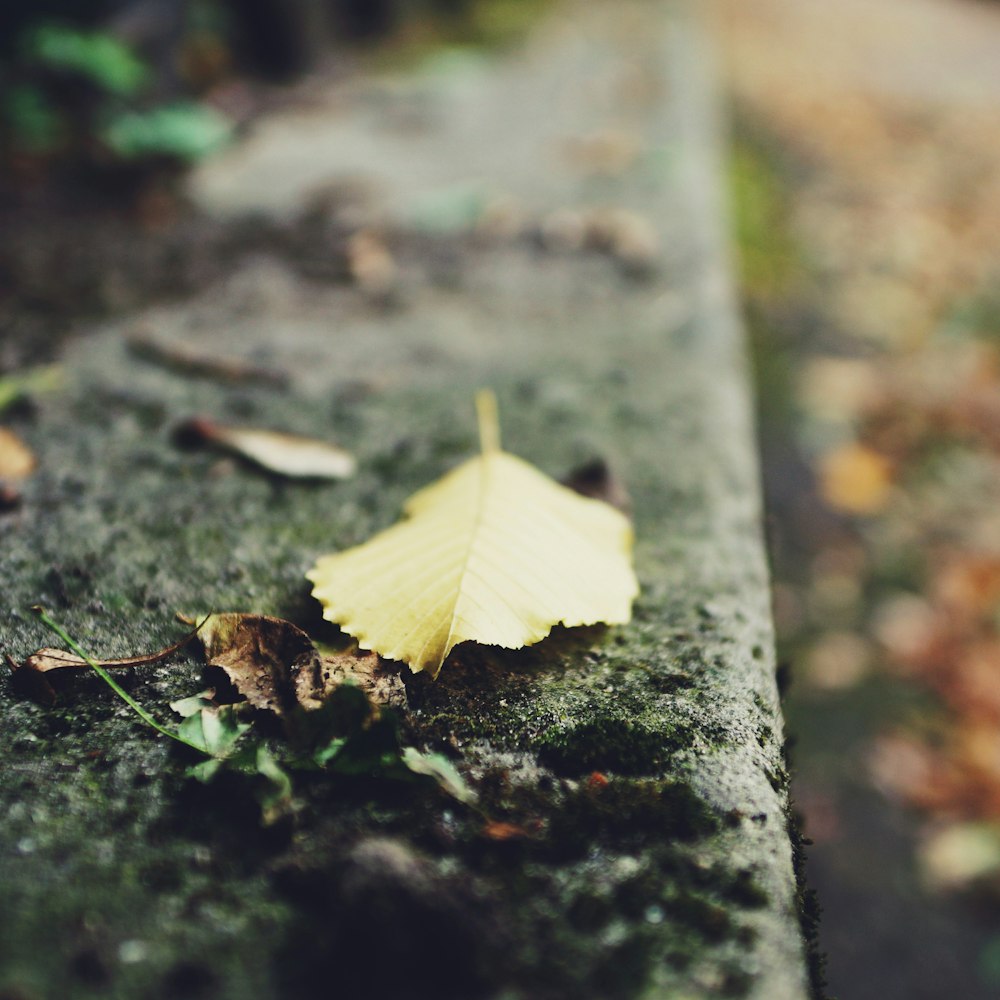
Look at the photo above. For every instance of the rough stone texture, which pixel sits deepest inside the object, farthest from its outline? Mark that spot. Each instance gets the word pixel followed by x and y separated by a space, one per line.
pixel 669 875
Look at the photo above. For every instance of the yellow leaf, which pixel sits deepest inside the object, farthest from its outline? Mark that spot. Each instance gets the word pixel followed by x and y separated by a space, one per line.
pixel 494 552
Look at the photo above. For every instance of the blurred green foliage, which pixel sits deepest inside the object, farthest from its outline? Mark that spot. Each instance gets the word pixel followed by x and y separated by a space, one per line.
pixel 75 96
pixel 74 93
pixel 32 124
pixel 766 250
pixel 93 55
pixel 186 130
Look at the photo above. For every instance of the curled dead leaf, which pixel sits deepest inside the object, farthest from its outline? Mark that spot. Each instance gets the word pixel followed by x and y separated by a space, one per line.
pixel 277 667
pixel 284 454
pixel 260 655
pixel 186 359
pixel 381 682
pixel 30 677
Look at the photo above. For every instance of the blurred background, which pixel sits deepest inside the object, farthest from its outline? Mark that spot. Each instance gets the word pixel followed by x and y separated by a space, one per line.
pixel 864 174
pixel 866 187
pixel 108 108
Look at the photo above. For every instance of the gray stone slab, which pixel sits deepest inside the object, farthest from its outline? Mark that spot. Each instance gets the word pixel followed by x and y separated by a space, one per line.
pixel 669 874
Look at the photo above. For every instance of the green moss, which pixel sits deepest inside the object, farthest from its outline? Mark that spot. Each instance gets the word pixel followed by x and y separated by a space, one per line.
pixel 736 983
pixel 743 889
pixel 777 778
pixel 671 683
pixel 623 969
pixel 623 813
pixel 590 911
pixel 708 919
pixel 614 742
pixel 809 910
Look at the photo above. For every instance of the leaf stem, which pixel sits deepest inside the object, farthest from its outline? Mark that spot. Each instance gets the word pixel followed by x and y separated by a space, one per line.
pixel 112 683
pixel 489 421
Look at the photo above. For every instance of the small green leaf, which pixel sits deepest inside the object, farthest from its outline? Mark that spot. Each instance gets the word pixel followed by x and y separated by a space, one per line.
pixel 196 703
pixel 375 752
pixel 102 59
pixel 271 783
pixel 213 730
pixel 183 130
pixel 205 771
pixel 438 767
pixel 275 792
pixel 102 672
pixel 325 754
pixel 372 752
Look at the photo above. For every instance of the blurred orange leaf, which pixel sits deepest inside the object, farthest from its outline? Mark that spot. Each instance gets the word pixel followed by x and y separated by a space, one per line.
pixel 855 479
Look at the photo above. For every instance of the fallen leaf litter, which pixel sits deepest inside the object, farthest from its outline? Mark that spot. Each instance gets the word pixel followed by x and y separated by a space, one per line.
pixel 573 566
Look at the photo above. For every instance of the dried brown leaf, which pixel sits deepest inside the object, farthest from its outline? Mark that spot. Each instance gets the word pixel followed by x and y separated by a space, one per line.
pixel 17 460
pixel 186 359
pixel 379 680
pixel 30 676
pixel 284 454
pixel 501 831
pixel 277 667
pixel 262 656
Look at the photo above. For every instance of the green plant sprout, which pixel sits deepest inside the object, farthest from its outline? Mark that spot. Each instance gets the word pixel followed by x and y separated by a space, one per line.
pixel 101 672
pixel 368 746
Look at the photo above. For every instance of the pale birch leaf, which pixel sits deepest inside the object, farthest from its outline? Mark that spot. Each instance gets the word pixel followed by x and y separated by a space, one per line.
pixel 283 454
pixel 494 552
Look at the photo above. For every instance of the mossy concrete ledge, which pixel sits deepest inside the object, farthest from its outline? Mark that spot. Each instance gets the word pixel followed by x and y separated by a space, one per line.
pixel 640 765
